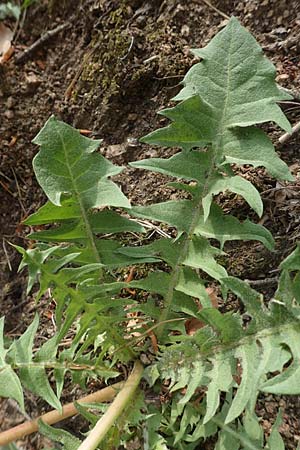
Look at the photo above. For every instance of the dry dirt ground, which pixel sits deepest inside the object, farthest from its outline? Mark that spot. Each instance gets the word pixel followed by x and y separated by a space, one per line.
pixel 109 71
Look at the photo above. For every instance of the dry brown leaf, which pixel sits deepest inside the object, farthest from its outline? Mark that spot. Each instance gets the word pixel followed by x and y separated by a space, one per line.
pixel 6 49
pixel 213 296
pixel 192 325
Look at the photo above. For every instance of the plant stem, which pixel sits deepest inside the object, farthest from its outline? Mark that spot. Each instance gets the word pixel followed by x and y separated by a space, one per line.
pixel 69 410
pixel 115 409
pixel 216 150
pixel 184 252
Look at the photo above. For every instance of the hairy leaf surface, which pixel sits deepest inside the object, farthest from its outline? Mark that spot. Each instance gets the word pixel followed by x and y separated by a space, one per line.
pixel 64 160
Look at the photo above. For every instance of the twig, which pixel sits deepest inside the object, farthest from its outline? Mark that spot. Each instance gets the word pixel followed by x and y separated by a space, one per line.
pixel 152 58
pixel 69 410
pixel 214 8
pixel 151 226
pixel 6 254
pixel 286 136
pixel 79 71
pixel 13 404
pixel 6 188
pixel 293 93
pixel 263 282
pixel 280 188
pixel 5 176
pixel 114 410
pixel 19 192
pixel 129 49
pixel 44 38
pixel 168 77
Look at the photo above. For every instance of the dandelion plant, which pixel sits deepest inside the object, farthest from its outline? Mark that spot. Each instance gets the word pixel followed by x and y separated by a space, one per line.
pixel 213 376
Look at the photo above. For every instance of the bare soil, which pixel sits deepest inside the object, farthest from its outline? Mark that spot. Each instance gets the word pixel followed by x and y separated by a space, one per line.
pixel 110 71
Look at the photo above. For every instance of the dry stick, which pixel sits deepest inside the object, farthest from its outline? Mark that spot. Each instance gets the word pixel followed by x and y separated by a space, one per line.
pixel 214 8
pixel 79 71
pixel 263 282
pixel 114 410
pixel 292 92
pixel 44 38
pixel 286 136
pixel 69 410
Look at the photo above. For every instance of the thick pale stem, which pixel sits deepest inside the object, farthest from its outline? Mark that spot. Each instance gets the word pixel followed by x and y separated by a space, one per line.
pixel 114 411
pixel 69 410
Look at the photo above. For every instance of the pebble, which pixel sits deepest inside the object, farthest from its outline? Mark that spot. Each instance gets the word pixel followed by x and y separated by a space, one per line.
pixel 9 114
pixel 9 102
pixel 32 82
pixel 185 30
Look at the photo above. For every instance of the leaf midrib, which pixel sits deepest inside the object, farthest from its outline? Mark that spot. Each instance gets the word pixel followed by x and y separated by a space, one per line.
pixel 87 224
pixel 198 209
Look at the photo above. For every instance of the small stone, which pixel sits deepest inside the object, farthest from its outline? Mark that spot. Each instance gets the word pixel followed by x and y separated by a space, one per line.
pixel 141 21
pixel 32 82
pixel 132 142
pixel 51 95
pixel 9 114
pixel 132 117
pixel 9 102
pixel 185 30
pixel 281 77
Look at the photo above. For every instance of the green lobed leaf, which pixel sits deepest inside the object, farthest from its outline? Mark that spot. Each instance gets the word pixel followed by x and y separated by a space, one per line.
pixel 165 249
pixel 287 382
pixel 235 184
pixel 252 428
pixel 227 440
pixel 275 441
pixel 106 221
pixel 190 284
pixel 252 299
pixel 231 89
pixel 10 385
pixel 292 261
pixel 67 164
pixel 221 381
pixel 33 260
pixel 188 165
pixel 201 256
pixel 61 436
pixel 248 355
pixel 233 65
pixel 102 222
pixel 175 213
pixel 33 378
pixel 114 255
pixel 154 282
pixel 252 146
pixel 51 213
pixel 226 227
pixel 228 325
